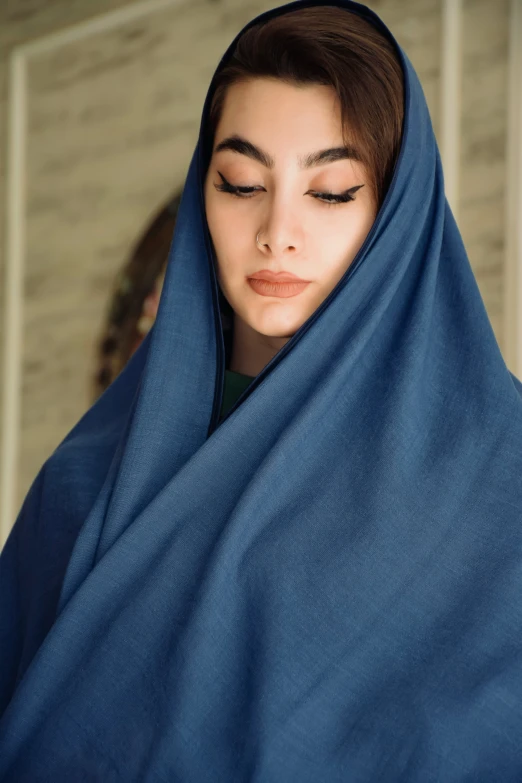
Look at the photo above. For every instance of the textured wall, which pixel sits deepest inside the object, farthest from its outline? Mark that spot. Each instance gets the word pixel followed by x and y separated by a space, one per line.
pixel 112 123
pixel 485 33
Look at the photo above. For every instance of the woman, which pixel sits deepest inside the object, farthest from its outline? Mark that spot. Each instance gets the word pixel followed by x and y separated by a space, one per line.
pixel 343 82
pixel 324 585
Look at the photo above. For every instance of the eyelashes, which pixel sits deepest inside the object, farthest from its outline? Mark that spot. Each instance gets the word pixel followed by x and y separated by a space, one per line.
pixel 330 199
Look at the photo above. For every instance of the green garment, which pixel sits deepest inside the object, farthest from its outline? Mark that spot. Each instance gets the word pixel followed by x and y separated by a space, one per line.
pixel 235 384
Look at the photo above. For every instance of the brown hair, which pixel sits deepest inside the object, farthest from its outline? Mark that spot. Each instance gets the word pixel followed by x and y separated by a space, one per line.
pixel 330 46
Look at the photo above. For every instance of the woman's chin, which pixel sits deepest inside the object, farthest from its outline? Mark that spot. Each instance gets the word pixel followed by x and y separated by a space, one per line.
pixel 276 317
pixel 275 325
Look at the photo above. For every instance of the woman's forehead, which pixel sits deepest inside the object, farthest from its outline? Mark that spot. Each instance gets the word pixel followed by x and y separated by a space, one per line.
pixel 266 121
pixel 248 99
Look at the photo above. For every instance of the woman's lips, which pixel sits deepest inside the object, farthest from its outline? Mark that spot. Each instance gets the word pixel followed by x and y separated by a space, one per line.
pixel 269 288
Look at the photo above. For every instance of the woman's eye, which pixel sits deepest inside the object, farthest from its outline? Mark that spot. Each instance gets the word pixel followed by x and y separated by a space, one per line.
pixel 333 198
pixel 236 190
pixel 328 198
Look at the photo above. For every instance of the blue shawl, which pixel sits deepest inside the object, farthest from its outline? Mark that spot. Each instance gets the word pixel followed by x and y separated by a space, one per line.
pixel 324 587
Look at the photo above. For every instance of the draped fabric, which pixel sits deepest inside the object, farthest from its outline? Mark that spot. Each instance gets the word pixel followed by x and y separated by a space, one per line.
pixel 325 586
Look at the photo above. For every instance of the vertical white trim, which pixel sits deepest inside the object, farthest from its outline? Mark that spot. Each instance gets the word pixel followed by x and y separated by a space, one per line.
pixel 16 230
pixel 513 252
pixel 14 282
pixel 450 98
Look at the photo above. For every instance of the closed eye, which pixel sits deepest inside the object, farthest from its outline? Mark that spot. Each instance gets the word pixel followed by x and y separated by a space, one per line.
pixel 247 191
pixel 335 198
pixel 236 190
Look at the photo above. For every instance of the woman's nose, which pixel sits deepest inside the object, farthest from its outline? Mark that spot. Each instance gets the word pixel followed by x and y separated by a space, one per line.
pixel 280 234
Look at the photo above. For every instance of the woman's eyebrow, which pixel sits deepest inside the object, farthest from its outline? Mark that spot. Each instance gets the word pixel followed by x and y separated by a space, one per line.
pixel 244 147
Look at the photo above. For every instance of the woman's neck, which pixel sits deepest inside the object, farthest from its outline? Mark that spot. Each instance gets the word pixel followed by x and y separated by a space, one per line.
pixel 251 351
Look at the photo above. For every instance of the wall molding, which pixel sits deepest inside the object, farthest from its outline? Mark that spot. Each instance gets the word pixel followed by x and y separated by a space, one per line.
pixel 14 285
pixel 450 99
pixel 16 231
pixel 513 248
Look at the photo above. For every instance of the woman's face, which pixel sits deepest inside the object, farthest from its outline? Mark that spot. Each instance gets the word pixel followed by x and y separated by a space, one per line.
pixel 268 141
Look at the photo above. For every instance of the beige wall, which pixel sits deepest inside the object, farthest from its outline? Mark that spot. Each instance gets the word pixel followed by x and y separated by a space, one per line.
pixel 484 115
pixel 113 93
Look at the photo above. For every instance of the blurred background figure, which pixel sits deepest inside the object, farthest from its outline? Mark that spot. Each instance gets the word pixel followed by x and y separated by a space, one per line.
pixel 135 298
pixel 100 119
